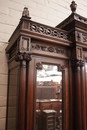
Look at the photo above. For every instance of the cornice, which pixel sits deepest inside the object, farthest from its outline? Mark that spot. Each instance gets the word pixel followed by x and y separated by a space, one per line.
pixel 36 30
pixel 73 17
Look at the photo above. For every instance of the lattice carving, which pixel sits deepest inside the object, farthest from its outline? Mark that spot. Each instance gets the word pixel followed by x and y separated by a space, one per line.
pixel 46 30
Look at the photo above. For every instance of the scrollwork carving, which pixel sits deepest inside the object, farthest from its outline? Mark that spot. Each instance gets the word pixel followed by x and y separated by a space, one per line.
pixel 50 49
pixel 61 67
pixel 39 66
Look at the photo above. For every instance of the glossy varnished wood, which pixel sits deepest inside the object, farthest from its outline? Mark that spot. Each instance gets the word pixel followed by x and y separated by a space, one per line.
pixel 33 44
pixel 77 100
pixel 83 87
pixel 22 96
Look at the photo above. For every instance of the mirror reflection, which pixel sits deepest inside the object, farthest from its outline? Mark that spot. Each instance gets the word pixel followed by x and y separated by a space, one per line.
pixel 49 98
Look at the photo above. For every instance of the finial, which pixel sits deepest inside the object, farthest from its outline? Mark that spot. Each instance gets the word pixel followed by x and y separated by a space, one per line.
pixel 26 12
pixel 73 6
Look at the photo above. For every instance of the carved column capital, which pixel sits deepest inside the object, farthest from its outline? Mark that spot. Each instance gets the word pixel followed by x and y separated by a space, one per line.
pixel 22 57
pixel 77 63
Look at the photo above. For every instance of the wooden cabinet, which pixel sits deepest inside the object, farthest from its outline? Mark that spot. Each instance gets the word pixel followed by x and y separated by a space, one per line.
pixel 33 45
pixel 53 104
pixel 48 120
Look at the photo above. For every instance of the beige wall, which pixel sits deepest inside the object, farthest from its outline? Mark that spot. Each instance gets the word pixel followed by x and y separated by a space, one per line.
pixel 50 12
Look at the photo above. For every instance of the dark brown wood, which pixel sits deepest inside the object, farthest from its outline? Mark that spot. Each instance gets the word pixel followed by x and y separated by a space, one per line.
pixel 77 100
pixel 30 96
pixel 66 116
pixel 83 89
pixel 22 96
pixel 71 93
pixel 33 44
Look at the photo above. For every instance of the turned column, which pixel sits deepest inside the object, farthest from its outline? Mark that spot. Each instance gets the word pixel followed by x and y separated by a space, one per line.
pixel 79 95
pixel 22 95
pixel 23 58
pixel 79 89
pixel 83 90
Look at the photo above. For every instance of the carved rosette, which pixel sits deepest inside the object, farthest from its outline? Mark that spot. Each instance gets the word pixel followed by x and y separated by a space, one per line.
pixel 50 49
pixel 22 57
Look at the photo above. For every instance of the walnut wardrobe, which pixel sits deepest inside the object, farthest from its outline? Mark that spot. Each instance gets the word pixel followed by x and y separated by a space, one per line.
pixel 47 75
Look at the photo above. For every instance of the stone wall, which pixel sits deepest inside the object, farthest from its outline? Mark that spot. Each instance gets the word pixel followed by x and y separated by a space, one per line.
pixel 49 12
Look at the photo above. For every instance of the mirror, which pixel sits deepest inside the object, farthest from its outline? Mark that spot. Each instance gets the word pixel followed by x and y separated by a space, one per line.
pixel 49 98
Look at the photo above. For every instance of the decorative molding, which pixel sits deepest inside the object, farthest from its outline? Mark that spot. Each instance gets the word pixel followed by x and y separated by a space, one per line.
pixel 50 49
pixel 71 18
pixel 78 36
pixel 79 53
pixel 22 56
pixel 23 44
pixel 46 30
pixel 84 38
pixel 81 37
pixel 80 18
pixel 39 66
